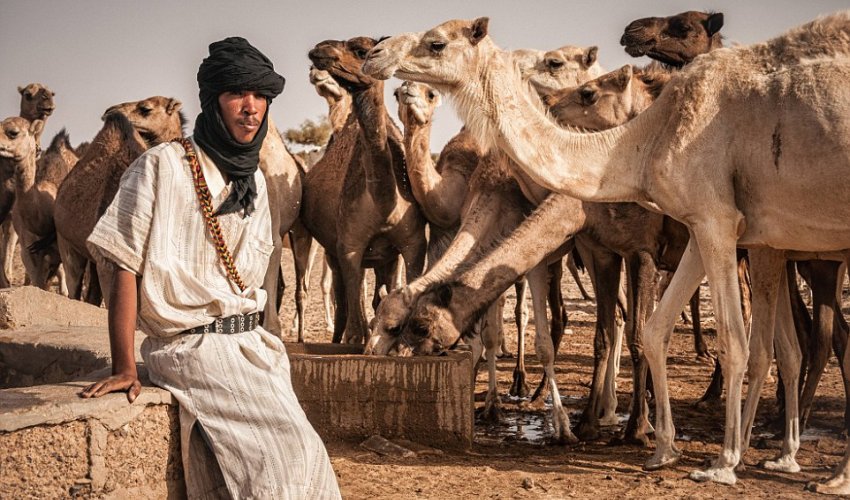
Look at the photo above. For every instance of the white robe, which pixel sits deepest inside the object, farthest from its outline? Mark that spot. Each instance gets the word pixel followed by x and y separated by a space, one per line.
pixel 236 386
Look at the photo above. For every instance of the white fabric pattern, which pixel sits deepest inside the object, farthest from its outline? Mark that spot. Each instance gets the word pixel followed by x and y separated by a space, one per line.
pixel 236 386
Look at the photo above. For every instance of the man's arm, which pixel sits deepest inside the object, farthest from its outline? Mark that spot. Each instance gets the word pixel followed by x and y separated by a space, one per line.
pixel 122 330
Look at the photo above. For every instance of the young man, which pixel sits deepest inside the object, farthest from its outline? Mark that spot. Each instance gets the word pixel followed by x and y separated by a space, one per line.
pixel 195 273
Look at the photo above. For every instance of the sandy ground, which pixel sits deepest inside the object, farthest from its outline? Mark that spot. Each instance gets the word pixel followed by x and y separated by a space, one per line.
pixel 516 460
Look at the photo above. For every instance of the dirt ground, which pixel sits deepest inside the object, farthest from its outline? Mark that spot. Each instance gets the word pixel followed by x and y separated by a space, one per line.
pixel 516 459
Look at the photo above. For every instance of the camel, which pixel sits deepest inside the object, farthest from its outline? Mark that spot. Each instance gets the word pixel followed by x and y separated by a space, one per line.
pixel 129 129
pixel 724 202
pixel 674 40
pixel 36 104
pixel 361 180
pixel 483 224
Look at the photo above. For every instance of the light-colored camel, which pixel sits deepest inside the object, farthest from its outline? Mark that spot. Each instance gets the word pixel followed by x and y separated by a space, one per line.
pixel 725 190
pixel 129 129
pixel 361 181
pixel 483 224
pixel 36 104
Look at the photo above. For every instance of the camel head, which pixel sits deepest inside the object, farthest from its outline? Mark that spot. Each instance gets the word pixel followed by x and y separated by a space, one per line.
pixel 36 101
pixel 157 119
pixel 343 60
pixel 557 69
pixel 18 138
pixel 416 103
pixel 674 40
pixel 388 323
pixel 430 328
pixel 325 85
pixel 608 101
pixel 444 57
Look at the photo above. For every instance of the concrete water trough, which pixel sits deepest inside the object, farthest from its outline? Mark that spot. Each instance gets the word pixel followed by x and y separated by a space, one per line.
pixel 54 444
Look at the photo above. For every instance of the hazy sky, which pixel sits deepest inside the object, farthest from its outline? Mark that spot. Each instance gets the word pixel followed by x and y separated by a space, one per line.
pixel 94 54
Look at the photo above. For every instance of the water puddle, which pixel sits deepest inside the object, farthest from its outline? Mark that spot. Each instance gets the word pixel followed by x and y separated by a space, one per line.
pixel 815 433
pixel 516 426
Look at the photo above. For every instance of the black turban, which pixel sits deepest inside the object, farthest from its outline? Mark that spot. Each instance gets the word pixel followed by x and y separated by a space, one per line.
pixel 234 65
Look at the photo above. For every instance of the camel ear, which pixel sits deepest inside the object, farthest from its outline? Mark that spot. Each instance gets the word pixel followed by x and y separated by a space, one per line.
pixel 173 105
pixel 479 30
pixel 713 23
pixel 20 90
pixel 624 76
pixel 36 127
pixel 382 292
pixel 590 56
pixel 444 295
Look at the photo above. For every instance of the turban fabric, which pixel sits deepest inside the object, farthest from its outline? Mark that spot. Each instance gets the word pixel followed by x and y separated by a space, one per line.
pixel 234 65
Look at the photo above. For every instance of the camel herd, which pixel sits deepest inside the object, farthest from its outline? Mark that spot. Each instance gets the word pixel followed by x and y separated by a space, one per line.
pixel 712 161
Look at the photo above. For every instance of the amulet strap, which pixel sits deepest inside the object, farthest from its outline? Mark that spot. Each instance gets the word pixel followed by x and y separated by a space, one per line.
pixel 205 199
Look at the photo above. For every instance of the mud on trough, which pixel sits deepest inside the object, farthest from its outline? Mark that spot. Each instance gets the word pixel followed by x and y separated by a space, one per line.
pixel 516 458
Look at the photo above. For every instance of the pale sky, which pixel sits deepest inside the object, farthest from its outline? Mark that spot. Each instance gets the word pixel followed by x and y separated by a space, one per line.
pixel 96 53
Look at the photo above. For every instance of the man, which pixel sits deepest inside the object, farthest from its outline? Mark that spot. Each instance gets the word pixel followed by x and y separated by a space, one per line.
pixel 195 274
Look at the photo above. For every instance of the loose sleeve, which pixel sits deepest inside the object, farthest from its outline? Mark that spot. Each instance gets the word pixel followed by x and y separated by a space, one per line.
pixel 121 235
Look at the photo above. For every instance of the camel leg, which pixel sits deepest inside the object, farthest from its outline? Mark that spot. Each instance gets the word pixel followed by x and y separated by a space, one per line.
pixel 94 295
pixel 519 387
pixel 538 279
pixel 340 302
pixel 769 311
pixel 327 297
pixel 641 269
pixel 606 279
pixel 700 347
pixel 520 314
pixel 303 251
pixel 103 276
pixel 559 319
pixel 717 240
pixel 839 483
pixel 824 282
pixel 612 370
pixel 657 334
pixel 839 345
pixel 63 283
pixel 490 338
pixel 350 261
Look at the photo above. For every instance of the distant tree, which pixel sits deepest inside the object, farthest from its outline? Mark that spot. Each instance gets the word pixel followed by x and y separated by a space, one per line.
pixel 310 133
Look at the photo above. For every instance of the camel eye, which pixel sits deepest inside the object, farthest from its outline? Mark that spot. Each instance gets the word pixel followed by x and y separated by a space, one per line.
pixel 12 134
pixel 360 53
pixel 395 330
pixel 431 96
pixel 555 63
pixel 145 110
pixel 438 47
pixel 29 97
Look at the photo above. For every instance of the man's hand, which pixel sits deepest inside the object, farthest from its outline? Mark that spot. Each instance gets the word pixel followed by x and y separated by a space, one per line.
pixel 121 382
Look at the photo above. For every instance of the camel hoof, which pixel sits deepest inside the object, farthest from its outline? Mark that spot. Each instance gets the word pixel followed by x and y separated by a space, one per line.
pixel 566 439
pixel 783 464
pixel 836 486
pixel 722 475
pixel 609 420
pixel 519 388
pixel 657 462
pixel 706 358
pixel 505 355
pixel 635 439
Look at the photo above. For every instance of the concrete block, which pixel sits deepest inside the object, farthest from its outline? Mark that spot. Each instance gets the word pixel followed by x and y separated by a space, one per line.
pixel 28 306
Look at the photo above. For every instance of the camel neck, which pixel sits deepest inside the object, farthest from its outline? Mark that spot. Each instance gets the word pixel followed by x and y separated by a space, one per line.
pixel 338 111
pixel 420 167
pixel 372 116
pixel 25 174
pixel 501 112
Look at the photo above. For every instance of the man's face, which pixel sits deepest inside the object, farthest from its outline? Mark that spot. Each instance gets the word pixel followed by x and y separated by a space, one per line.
pixel 242 112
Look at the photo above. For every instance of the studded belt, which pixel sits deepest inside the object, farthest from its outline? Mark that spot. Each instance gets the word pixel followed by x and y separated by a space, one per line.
pixel 237 323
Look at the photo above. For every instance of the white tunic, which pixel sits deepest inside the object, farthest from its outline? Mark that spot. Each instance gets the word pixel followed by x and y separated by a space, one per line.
pixel 236 386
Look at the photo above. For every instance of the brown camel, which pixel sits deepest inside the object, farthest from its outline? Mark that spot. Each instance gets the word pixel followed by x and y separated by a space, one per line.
pixel 695 174
pixel 36 104
pixel 362 181
pixel 129 129
pixel 674 40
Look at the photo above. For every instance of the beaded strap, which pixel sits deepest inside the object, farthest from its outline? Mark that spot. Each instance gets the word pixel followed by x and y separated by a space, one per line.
pixel 205 198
